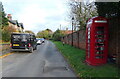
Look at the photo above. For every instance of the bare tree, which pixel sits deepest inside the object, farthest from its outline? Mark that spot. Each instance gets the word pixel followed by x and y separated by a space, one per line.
pixel 82 11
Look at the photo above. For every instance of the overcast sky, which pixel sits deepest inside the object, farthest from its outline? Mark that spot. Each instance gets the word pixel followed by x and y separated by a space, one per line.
pixel 39 15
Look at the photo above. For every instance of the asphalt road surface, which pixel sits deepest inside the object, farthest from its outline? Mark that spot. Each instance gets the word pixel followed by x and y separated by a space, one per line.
pixel 46 61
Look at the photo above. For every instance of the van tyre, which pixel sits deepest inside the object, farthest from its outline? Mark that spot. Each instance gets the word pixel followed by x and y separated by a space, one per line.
pixel 31 50
pixel 35 47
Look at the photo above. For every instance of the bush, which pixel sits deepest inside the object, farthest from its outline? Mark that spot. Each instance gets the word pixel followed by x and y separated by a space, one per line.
pixel 6 32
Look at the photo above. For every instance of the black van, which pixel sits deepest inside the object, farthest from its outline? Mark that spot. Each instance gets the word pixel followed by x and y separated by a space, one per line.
pixel 23 42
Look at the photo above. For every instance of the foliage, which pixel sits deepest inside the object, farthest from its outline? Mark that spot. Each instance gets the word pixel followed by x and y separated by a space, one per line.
pixel 47 34
pixel 6 32
pixel 76 58
pixel 48 30
pixel 108 9
pixel 3 19
pixel 57 35
pixel 29 31
pixel 82 11
pixel 3 23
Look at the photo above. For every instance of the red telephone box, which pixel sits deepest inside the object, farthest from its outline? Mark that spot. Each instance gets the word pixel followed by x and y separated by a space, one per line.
pixel 96 41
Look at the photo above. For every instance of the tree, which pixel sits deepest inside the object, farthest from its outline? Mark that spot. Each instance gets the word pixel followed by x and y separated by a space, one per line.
pixel 45 34
pixel 29 31
pixel 50 31
pixel 57 35
pixel 3 19
pixel 5 31
pixel 82 11
pixel 108 9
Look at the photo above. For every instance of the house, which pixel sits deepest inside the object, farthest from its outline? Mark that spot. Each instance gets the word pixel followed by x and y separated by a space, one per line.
pixel 14 24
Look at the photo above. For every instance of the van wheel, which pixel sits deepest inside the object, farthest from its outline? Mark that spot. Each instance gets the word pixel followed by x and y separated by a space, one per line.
pixel 35 47
pixel 31 50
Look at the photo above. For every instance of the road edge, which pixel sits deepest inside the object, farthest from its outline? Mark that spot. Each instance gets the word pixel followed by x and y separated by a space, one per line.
pixel 69 65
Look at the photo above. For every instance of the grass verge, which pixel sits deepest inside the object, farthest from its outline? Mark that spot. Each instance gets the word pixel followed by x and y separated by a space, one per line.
pixel 76 58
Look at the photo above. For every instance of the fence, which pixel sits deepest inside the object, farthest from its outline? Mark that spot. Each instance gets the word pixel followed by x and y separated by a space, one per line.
pixel 79 38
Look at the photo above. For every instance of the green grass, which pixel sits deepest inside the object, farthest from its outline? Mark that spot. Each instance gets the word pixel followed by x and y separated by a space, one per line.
pixel 76 58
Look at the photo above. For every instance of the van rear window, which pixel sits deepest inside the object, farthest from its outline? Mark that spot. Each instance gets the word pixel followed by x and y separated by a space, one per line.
pixel 20 37
pixel 16 37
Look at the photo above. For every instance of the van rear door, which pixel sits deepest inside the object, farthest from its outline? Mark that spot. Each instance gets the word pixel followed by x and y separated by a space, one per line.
pixel 19 41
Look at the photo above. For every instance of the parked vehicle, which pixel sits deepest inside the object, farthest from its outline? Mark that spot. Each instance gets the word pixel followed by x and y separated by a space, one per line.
pixel 42 39
pixel 23 42
pixel 39 42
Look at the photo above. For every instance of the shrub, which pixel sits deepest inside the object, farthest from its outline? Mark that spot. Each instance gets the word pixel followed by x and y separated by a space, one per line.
pixel 6 32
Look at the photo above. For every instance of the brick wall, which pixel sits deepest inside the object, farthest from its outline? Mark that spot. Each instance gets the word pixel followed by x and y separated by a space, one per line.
pixel 78 39
pixel 114 37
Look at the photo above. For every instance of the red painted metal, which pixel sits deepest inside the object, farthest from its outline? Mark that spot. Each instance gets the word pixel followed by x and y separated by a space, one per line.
pixel 97 41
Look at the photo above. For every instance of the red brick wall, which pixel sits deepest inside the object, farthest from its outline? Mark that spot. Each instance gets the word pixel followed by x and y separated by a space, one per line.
pixel 82 39
pixel 78 39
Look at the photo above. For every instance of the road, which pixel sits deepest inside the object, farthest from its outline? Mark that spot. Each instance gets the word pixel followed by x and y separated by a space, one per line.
pixel 46 61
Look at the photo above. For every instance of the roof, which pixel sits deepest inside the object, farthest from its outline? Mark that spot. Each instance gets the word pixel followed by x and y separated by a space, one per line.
pixel 15 22
pixel 11 22
pixel 21 25
pixel 67 31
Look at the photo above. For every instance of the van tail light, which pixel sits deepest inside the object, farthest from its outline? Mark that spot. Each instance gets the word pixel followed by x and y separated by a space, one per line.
pixel 10 44
pixel 29 45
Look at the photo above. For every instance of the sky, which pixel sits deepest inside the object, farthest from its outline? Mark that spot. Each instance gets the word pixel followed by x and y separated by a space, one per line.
pixel 38 15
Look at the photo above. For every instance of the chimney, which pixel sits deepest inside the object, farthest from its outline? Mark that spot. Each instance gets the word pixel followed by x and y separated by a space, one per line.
pixel 9 16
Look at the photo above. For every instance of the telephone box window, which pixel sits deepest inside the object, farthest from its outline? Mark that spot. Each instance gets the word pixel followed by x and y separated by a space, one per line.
pixel 99 44
pixel 98 57
pixel 100 32
pixel 100 48
pixel 88 33
pixel 88 29
pixel 88 36
pixel 100 40
pixel 99 52
pixel 100 28
pixel 100 36
pixel 88 40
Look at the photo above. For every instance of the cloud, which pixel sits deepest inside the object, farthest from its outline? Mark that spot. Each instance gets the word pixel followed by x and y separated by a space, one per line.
pixel 38 14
